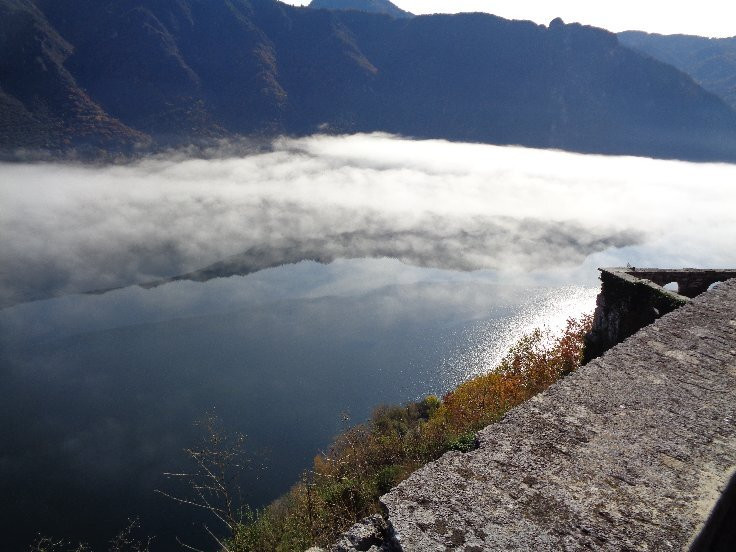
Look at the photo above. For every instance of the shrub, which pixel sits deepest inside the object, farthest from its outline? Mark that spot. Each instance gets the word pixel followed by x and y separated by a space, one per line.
pixel 464 443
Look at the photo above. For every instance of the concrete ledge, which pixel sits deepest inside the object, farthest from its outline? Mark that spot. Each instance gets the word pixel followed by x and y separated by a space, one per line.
pixel 630 452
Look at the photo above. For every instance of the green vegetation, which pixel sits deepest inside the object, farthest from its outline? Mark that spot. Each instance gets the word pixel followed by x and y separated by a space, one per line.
pixel 368 460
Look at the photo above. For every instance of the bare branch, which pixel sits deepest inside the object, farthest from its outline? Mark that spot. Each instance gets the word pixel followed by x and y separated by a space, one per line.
pixel 215 483
pixel 185 545
pixel 219 542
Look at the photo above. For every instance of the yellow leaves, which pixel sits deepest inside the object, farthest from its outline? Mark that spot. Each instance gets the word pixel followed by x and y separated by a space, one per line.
pixel 535 362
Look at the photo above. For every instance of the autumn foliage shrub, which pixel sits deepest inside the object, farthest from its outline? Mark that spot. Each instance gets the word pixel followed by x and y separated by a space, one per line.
pixel 367 460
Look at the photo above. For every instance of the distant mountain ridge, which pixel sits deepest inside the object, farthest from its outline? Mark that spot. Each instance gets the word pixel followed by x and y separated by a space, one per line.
pixel 369 6
pixel 136 74
pixel 711 62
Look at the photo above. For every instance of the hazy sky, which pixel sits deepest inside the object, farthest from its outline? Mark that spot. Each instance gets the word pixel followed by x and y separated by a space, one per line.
pixel 705 18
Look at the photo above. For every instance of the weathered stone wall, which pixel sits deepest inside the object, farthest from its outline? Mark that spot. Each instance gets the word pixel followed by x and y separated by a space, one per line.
pixel 719 533
pixel 691 282
pixel 625 304
pixel 632 298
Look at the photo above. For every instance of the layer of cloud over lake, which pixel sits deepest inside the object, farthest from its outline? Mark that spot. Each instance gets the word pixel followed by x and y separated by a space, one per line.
pixel 68 228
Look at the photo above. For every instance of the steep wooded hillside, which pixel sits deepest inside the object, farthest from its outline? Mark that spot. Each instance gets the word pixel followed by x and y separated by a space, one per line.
pixel 131 73
pixel 711 62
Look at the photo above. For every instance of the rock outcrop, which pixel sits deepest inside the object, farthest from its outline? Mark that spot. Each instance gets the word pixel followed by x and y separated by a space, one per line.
pixel 372 534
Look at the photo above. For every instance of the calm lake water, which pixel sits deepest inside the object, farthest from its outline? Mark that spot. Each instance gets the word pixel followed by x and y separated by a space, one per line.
pixel 104 389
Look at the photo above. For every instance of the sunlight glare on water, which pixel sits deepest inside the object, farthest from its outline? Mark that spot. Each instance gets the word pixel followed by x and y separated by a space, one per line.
pixel 484 345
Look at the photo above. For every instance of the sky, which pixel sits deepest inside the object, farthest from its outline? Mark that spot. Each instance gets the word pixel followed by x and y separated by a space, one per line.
pixel 715 18
pixel 428 203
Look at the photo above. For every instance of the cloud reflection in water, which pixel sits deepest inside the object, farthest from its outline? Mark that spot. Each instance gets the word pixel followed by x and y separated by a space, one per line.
pixel 431 203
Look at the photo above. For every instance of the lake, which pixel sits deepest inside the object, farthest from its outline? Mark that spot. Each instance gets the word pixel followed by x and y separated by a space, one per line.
pixel 322 277
pixel 105 389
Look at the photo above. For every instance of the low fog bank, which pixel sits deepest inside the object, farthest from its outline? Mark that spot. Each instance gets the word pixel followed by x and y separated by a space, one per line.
pixel 481 242
pixel 540 213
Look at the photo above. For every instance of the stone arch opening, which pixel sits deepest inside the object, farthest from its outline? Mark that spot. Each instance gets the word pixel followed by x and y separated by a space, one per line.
pixel 672 286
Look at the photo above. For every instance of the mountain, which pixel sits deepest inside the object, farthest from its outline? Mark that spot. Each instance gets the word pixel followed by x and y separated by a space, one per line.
pixel 41 104
pixel 370 6
pixel 711 62
pixel 136 74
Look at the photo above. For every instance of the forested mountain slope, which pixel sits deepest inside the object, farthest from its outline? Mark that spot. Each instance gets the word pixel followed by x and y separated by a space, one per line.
pixel 126 74
pixel 711 62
